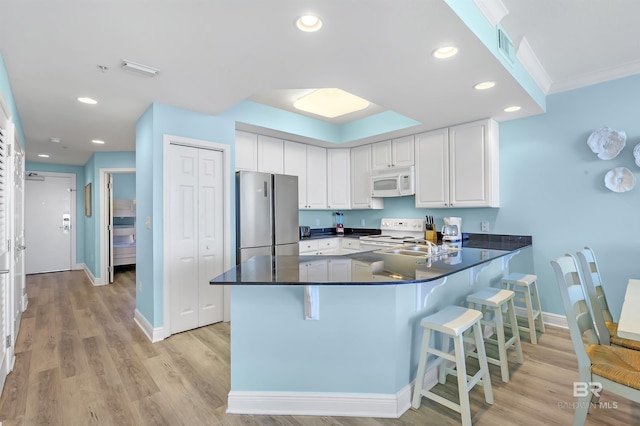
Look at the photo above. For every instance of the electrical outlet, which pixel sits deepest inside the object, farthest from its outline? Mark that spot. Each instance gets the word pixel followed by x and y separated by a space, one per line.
pixel 362 222
pixel 484 226
pixel 147 222
pixel 317 222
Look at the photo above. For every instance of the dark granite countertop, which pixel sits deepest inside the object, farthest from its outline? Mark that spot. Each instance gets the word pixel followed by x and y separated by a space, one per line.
pixel 372 267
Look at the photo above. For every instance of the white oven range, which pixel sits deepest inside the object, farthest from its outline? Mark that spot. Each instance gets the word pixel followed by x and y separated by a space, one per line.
pixel 394 232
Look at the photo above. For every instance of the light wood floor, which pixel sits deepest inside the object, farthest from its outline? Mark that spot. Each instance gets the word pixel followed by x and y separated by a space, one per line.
pixel 81 360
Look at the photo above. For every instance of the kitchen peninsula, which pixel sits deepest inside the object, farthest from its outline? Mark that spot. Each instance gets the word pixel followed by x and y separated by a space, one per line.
pixel 340 335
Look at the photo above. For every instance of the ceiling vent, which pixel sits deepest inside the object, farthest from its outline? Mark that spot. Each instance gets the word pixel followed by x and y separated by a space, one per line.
pixel 505 45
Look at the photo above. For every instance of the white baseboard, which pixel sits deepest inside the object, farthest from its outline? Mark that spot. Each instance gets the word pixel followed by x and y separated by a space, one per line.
pixel 320 404
pixel 153 334
pixel 95 281
pixel 547 317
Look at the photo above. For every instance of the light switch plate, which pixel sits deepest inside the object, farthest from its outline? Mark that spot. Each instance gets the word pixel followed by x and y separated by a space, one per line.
pixel 147 222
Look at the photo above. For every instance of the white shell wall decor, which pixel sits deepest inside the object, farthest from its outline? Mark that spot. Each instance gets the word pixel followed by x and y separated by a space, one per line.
pixel 607 143
pixel 620 179
pixel 636 154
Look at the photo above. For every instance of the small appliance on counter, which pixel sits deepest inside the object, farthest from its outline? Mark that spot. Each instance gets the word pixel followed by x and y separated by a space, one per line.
pixel 305 231
pixel 452 229
pixel 339 224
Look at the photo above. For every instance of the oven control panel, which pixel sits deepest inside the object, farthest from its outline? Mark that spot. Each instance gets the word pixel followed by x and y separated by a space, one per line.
pixel 402 225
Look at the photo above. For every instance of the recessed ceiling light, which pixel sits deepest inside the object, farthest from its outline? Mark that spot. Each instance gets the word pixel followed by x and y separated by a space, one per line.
pixel 43 155
pixel 445 52
pixel 512 108
pixel 309 23
pixel 330 102
pixel 484 85
pixel 86 100
pixel 97 141
pixel 55 140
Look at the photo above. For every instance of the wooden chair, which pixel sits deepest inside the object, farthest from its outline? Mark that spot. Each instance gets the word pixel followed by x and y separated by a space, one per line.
pixel 592 285
pixel 609 368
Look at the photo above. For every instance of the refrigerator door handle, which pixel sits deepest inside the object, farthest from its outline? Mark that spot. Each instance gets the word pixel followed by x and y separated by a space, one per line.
pixel 266 194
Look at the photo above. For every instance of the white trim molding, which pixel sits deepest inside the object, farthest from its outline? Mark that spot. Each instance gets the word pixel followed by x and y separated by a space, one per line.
pixel 547 317
pixel 153 334
pixel 321 403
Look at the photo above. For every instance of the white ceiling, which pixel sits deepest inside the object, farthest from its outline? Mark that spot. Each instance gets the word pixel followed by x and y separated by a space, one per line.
pixel 213 54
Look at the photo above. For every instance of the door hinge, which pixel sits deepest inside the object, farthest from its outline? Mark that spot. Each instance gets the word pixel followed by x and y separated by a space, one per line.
pixel 8 341
pixel 8 245
pixel 8 150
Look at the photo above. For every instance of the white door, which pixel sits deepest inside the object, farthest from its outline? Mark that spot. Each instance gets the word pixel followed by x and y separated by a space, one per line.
pixel 196 235
pixel 110 225
pixel 5 262
pixel 17 237
pixel 48 223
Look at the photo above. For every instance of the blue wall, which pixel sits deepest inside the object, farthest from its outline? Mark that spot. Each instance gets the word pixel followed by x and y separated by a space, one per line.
pixel 157 121
pixel 124 186
pixel 7 93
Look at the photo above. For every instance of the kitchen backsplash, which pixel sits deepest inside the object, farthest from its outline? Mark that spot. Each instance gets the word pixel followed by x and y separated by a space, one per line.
pixel 402 207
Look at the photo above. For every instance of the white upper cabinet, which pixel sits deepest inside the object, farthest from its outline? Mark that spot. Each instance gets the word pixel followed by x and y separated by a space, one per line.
pixel 295 163
pixel 316 177
pixel 309 163
pixel 474 165
pixel 246 151
pixel 270 155
pixel 402 152
pixel 338 179
pixel 394 153
pixel 458 167
pixel 432 169
pixel 361 180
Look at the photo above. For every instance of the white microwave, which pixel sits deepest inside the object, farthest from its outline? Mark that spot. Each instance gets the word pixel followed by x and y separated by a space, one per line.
pixel 393 182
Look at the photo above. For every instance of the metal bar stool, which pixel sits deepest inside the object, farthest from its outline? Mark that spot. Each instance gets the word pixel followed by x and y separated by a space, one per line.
pixel 494 300
pixel 452 321
pixel 524 285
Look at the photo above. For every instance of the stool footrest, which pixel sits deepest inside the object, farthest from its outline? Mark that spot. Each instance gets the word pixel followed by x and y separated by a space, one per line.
pixel 437 398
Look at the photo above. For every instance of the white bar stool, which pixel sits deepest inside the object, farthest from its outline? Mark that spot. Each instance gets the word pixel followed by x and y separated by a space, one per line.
pixel 452 321
pixel 524 285
pixel 494 299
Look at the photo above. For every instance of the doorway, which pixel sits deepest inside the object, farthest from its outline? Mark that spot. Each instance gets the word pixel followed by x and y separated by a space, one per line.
pixel 196 230
pixel 49 219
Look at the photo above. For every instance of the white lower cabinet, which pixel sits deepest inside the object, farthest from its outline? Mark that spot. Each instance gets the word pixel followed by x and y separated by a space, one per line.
pixel 308 247
pixel 328 246
pixel 458 167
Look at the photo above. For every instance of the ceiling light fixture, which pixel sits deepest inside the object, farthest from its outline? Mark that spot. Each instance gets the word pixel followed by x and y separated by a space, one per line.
pixel 445 52
pixel 512 108
pixel 88 101
pixel 330 103
pixel 43 155
pixel 484 85
pixel 309 23
pixel 55 140
pixel 97 141
pixel 139 68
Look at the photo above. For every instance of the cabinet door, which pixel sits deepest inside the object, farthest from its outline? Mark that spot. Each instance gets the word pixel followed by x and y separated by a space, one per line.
pixel 339 178
pixel 270 155
pixel 402 152
pixel 381 155
pixel 361 180
pixel 432 169
pixel 316 177
pixel 339 270
pixel 473 173
pixel 295 163
pixel 246 151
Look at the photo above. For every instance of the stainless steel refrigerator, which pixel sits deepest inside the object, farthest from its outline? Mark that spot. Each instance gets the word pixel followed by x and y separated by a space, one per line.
pixel 267 215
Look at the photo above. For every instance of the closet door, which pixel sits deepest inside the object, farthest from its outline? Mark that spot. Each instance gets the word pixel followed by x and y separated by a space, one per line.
pixel 195 220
